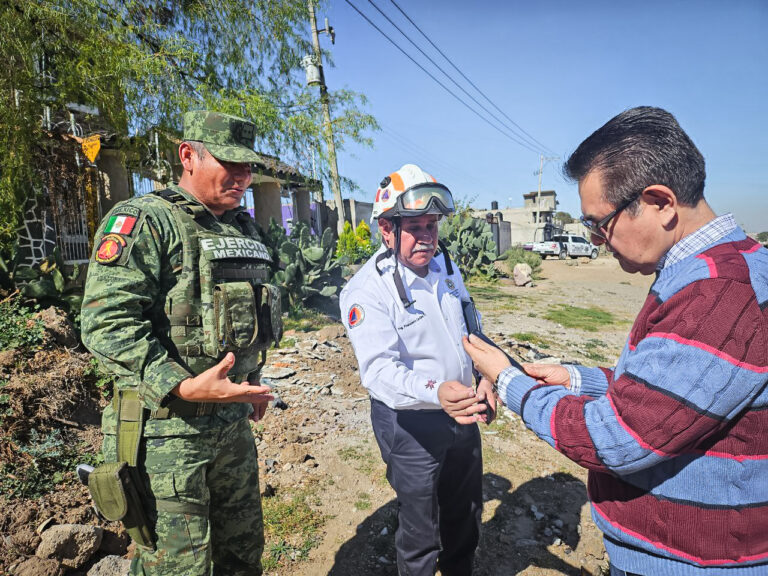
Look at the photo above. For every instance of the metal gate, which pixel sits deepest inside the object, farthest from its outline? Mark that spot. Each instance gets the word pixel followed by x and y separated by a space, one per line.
pixel 74 192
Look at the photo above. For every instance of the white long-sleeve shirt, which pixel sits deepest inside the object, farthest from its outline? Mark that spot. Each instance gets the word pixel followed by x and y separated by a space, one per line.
pixel 405 354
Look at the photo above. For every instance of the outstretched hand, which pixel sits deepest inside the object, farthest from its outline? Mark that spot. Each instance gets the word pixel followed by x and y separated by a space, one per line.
pixel 488 360
pixel 214 385
pixel 549 374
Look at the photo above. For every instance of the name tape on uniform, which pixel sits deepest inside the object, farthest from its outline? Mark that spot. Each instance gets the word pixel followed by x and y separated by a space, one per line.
pixel 233 247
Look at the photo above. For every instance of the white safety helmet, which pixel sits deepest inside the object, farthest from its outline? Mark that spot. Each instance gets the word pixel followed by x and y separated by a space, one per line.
pixel 411 192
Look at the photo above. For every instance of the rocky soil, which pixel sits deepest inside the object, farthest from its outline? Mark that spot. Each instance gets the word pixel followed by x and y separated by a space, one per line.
pixel 317 441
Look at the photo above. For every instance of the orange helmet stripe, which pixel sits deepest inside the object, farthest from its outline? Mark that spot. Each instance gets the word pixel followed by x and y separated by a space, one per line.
pixel 397 182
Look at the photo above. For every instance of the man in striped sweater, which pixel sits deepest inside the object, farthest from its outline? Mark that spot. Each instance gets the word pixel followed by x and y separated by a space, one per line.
pixel 675 437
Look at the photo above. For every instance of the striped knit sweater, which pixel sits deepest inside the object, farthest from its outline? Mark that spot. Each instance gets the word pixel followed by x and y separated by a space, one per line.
pixel 676 436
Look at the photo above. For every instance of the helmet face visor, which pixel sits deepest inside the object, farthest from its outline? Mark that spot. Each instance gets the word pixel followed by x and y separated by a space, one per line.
pixel 428 198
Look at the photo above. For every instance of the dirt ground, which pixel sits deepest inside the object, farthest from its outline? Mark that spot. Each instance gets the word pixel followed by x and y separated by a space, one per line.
pixel 536 518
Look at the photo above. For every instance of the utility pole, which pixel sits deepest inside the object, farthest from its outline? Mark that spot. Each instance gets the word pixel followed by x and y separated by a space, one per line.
pixel 542 159
pixel 335 184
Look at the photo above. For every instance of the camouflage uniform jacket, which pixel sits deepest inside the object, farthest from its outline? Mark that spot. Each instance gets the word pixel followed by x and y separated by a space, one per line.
pixel 124 320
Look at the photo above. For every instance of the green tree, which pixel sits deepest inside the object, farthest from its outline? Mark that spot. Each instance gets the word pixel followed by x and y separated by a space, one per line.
pixel 762 237
pixel 142 63
pixel 564 217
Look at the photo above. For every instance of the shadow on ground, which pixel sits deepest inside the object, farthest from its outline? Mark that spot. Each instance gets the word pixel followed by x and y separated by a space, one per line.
pixel 525 522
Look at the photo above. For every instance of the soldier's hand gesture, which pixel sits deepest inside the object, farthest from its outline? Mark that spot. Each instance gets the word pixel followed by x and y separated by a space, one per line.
pixel 214 385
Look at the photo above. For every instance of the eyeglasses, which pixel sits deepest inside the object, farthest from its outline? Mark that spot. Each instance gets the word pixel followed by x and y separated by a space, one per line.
pixel 600 228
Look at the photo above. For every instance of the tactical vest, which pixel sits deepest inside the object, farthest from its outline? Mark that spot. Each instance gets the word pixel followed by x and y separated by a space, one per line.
pixel 221 302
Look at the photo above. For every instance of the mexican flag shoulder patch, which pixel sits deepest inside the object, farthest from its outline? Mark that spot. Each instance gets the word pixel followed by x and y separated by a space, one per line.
pixel 120 224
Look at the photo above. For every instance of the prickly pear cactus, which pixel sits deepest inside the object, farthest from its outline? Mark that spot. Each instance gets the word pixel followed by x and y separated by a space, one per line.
pixel 470 244
pixel 311 272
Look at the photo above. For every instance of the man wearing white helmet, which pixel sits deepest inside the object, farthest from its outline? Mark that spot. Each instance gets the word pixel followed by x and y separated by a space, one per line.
pixel 403 312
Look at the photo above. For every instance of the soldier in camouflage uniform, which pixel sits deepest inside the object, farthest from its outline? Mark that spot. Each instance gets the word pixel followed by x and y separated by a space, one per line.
pixel 177 307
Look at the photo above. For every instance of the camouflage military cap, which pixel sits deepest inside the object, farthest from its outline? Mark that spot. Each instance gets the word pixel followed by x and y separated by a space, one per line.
pixel 228 138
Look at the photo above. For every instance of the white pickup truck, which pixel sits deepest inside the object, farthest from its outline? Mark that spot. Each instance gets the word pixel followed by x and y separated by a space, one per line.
pixel 564 245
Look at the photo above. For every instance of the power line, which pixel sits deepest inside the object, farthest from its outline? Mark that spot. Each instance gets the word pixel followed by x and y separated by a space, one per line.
pixel 427 159
pixel 468 80
pixel 443 86
pixel 531 141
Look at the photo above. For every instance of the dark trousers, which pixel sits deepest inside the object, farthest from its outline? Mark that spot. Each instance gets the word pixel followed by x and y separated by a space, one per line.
pixel 435 467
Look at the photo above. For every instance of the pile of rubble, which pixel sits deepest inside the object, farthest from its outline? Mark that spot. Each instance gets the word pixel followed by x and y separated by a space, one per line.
pixel 68 548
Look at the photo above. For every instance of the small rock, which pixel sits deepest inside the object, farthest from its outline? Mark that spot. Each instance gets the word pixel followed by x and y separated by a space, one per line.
pixel 522 274
pixel 72 544
pixel 278 402
pixel 110 566
pixel 518 511
pixel 384 531
pixel 39 567
pixel 384 560
pixel 114 544
pixel 276 373
pixel 557 522
pixel 557 542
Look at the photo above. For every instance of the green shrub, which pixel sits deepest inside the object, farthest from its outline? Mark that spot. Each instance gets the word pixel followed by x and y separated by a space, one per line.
pixel 19 327
pixel 47 283
pixel 291 528
pixel 355 245
pixel 103 381
pixel 42 463
pixel 517 255
pixel 301 319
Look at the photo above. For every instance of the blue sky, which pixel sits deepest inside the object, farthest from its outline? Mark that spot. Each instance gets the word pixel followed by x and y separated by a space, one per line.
pixel 559 69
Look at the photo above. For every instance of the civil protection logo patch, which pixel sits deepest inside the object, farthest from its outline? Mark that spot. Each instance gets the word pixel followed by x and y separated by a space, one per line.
pixel 110 248
pixel 355 316
pixel 450 284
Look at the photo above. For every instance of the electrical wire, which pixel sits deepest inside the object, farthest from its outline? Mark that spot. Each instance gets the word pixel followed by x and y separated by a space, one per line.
pixel 549 150
pixel 529 139
pixel 425 159
pixel 428 73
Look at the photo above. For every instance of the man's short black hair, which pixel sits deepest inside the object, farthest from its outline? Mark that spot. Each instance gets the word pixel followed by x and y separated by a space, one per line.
pixel 640 147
